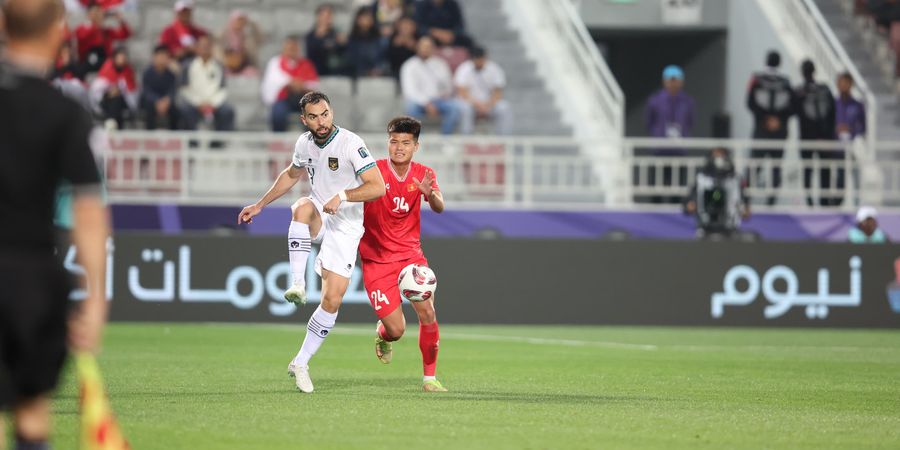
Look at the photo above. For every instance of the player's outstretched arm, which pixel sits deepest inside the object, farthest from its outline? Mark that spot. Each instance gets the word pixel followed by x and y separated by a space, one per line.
pixel 89 235
pixel 285 181
pixel 371 189
pixel 432 195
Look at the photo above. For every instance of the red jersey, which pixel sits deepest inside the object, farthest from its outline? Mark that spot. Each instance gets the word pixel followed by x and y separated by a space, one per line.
pixel 392 222
pixel 90 37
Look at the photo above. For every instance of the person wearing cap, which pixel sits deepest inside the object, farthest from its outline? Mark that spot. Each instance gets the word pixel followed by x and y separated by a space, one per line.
pixel 669 114
pixel 771 101
pixel 181 35
pixel 479 86
pixel 670 111
pixel 866 230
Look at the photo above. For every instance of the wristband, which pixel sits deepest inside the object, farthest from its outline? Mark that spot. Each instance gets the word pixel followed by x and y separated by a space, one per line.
pixel 343 196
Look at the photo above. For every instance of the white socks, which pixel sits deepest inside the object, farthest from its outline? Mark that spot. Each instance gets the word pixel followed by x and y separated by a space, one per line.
pixel 298 252
pixel 320 324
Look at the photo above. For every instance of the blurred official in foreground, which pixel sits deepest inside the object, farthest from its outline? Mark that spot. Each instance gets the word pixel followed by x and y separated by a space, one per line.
pixel 44 139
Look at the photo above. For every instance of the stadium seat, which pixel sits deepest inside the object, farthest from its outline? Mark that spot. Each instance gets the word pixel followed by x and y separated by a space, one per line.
pixel 293 21
pixel 213 18
pixel 340 91
pixel 155 20
pixel 376 103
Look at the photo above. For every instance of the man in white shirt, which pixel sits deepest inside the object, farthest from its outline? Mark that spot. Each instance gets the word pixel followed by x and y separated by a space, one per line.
pixel 203 92
pixel 427 86
pixel 342 176
pixel 479 85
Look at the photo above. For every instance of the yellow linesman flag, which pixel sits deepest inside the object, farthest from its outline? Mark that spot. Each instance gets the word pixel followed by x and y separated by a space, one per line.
pixel 99 429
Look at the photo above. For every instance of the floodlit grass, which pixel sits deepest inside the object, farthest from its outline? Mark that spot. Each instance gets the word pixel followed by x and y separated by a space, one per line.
pixel 213 386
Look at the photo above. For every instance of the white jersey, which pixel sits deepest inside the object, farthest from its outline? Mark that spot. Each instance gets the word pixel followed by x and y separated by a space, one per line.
pixel 334 167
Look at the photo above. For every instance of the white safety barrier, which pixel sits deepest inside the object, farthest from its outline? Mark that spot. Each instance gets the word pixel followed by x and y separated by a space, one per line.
pixel 509 172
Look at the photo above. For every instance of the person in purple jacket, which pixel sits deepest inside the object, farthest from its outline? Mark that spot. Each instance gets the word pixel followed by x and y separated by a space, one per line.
pixel 670 111
pixel 850 113
pixel 669 114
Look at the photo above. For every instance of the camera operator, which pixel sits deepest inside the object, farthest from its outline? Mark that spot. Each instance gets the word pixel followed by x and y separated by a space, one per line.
pixel 717 198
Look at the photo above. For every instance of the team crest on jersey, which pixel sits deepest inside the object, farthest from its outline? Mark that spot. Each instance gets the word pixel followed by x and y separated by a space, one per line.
pixel 363 153
pixel 333 163
pixel 410 187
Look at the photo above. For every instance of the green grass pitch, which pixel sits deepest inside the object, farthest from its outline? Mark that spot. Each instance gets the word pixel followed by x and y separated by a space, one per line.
pixel 214 386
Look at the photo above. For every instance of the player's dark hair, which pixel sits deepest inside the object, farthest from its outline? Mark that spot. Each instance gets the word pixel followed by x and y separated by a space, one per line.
pixel 405 124
pixel 27 19
pixel 846 76
pixel 477 51
pixel 312 98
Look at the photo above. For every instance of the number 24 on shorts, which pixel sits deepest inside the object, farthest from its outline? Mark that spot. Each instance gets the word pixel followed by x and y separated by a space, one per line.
pixel 378 297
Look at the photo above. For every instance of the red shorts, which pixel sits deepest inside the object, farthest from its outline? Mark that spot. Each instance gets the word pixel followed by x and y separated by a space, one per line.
pixel 380 280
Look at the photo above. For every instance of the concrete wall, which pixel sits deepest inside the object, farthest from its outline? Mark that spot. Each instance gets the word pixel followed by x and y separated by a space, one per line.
pixel 648 14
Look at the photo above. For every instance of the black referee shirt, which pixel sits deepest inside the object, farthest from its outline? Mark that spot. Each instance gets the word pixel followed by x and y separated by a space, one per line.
pixel 44 138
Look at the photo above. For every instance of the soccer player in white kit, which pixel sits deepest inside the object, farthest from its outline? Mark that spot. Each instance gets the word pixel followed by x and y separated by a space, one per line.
pixel 342 175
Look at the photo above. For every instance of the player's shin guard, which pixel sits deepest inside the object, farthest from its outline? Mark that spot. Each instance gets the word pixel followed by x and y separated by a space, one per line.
pixel 299 245
pixel 320 324
pixel 428 344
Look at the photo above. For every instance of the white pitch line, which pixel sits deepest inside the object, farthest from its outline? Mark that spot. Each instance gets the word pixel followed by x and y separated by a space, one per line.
pixel 521 339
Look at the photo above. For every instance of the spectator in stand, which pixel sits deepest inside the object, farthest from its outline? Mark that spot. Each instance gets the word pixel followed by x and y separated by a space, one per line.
pixel 670 111
pixel 240 41
pixel 114 92
pixel 887 15
pixel 866 230
pixel 815 112
pixel 287 77
pixel 95 40
pixel 387 13
pixel 68 77
pixel 365 48
pixel 402 45
pixel 850 113
pixel 160 85
pixel 324 45
pixel 181 35
pixel 427 86
pixel 479 85
pixel 203 90
pixel 443 21
pixel 771 100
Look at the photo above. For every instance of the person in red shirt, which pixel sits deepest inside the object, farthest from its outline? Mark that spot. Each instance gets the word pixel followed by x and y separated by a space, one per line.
pixel 95 40
pixel 392 242
pixel 182 34
pixel 287 78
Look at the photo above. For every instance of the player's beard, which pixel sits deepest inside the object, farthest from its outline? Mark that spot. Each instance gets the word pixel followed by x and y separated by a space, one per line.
pixel 324 133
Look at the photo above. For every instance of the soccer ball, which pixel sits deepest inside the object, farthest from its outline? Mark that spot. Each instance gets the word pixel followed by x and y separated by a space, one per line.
pixel 417 283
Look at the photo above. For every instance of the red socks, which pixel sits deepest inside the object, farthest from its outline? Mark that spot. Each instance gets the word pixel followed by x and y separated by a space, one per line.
pixel 428 343
pixel 382 333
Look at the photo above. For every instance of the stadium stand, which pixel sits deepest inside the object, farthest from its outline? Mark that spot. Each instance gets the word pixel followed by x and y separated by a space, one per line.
pixel 869 46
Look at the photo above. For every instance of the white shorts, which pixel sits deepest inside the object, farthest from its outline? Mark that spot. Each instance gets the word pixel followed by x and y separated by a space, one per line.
pixel 340 242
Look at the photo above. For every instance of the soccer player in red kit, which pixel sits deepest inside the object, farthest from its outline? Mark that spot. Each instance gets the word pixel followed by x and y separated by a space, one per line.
pixel 391 242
